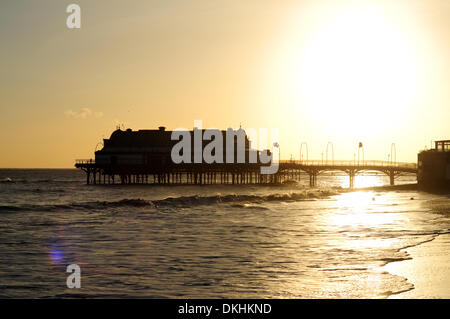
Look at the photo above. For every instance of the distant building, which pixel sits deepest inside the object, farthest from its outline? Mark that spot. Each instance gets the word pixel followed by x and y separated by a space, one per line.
pixel 434 167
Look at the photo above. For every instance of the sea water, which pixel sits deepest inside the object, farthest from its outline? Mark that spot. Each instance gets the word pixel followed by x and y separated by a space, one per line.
pixel 211 241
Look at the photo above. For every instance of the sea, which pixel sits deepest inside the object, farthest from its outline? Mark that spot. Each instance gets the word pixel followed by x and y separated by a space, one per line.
pixel 210 241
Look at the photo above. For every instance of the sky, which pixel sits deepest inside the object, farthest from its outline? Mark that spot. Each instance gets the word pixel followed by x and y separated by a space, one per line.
pixel 344 72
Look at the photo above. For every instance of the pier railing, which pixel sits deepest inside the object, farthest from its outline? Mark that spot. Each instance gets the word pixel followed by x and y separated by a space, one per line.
pixel 337 163
pixel 354 163
pixel 85 161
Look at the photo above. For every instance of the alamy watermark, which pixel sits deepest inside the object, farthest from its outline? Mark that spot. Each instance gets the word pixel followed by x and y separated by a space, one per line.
pixel 74 279
pixel 234 150
pixel 74 19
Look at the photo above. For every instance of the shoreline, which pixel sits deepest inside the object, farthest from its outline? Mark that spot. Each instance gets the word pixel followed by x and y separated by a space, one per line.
pixel 400 187
pixel 428 270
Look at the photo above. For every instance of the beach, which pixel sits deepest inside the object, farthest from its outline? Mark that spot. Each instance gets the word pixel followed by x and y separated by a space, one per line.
pixel 428 270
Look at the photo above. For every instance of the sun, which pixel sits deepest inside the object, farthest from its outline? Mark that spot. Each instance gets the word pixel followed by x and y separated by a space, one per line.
pixel 357 70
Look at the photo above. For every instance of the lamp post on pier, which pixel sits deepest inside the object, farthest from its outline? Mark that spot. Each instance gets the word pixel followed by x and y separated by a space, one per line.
pixel 361 147
pixel 301 149
pixel 332 153
pixel 393 156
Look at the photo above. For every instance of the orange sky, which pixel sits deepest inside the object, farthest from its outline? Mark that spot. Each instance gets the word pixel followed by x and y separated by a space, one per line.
pixel 320 71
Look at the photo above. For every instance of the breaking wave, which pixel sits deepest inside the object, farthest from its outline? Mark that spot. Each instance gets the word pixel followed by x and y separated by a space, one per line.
pixel 241 198
pixel 183 201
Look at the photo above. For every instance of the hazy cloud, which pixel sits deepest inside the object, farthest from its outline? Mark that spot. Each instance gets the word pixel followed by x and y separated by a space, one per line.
pixel 83 113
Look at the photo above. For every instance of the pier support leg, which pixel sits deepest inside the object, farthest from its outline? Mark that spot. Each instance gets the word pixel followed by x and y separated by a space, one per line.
pixel 351 174
pixel 312 179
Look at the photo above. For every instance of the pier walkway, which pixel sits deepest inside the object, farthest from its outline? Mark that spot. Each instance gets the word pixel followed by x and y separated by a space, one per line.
pixel 351 168
pixel 204 174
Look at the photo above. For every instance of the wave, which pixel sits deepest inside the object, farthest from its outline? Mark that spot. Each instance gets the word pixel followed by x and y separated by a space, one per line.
pixel 238 200
pixel 79 206
pixel 242 198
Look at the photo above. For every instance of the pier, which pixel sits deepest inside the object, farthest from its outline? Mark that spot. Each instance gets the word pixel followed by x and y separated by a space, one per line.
pixel 145 157
pixel 234 174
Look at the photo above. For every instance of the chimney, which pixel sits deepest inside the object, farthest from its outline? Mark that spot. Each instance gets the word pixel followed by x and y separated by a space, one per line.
pixel 162 128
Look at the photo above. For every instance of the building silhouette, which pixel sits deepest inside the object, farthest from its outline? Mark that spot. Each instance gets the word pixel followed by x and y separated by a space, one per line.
pixel 433 171
pixel 152 148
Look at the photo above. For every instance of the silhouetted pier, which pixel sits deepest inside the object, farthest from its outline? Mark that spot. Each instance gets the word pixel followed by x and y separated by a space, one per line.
pixel 351 168
pixel 234 174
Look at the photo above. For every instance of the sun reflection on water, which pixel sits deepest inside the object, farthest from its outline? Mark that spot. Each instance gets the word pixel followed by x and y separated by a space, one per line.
pixel 362 215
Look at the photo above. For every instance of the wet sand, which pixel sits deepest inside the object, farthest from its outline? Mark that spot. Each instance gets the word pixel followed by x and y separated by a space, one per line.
pixel 401 187
pixel 428 270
